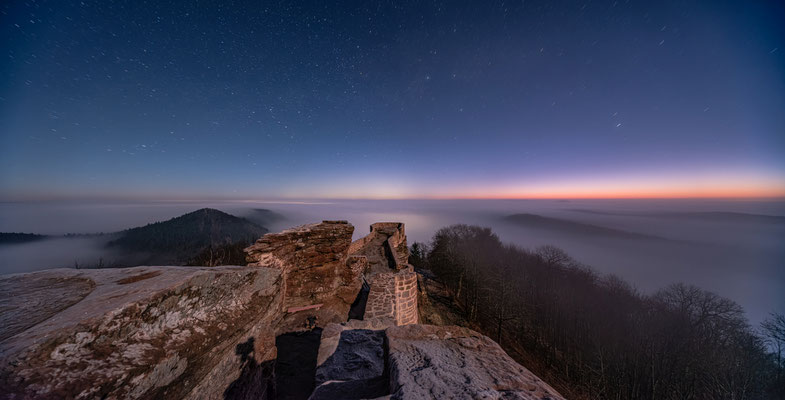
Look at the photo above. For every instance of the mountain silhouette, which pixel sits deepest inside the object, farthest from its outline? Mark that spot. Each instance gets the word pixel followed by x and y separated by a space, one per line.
pixel 178 240
pixel 572 227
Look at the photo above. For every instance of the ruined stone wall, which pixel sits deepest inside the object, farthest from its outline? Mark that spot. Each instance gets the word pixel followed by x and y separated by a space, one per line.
pixel 391 253
pixel 381 298
pixel 406 297
pixel 360 243
pixel 393 297
pixel 396 232
pixel 357 264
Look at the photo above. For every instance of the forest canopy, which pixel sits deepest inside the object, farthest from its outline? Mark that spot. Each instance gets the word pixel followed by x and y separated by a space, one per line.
pixel 595 336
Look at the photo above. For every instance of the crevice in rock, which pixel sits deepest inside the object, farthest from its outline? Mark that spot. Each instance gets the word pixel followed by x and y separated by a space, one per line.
pixel 295 367
pixel 357 310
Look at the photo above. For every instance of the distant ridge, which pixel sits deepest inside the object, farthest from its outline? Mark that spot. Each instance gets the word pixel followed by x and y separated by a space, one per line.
pixel 179 239
pixel 574 228
pixel 718 216
pixel 264 217
pixel 15 238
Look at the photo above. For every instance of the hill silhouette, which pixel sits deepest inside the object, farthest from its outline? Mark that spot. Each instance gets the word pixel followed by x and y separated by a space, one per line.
pixel 713 216
pixel 572 227
pixel 16 237
pixel 180 239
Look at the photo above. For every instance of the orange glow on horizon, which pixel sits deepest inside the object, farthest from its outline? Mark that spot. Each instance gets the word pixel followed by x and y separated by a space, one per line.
pixel 736 187
pixel 618 195
pixel 612 192
pixel 664 193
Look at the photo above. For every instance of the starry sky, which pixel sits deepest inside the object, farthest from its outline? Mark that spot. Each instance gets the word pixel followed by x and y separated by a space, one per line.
pixel 393 99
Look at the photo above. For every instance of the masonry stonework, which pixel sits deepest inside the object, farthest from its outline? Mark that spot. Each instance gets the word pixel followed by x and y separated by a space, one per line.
pixel 406 297
pixel 392 299
pixel 381 298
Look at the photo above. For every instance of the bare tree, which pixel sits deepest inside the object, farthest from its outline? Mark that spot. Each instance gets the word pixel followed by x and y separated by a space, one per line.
pixel 774 335
pixel 596 336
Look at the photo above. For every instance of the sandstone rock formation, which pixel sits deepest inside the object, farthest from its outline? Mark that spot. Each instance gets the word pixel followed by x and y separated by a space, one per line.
pixel 449 362
pixel 318 276
pixel 147 332
pixel 210 333
pixel 420 362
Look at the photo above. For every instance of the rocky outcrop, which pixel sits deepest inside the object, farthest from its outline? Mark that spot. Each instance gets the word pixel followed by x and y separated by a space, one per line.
pixel 449 362
pixel 147 332
pixel 173 332
pixel 320 281
pixel 210 333
pixel 420 362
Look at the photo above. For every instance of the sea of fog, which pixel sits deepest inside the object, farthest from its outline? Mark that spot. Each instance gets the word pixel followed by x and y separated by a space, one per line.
pixel 734 248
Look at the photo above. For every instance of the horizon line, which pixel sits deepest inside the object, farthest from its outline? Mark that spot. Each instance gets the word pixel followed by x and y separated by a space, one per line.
pixel 327 199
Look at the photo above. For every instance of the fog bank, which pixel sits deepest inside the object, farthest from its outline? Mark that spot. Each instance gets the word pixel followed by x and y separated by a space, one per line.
pixel 734 248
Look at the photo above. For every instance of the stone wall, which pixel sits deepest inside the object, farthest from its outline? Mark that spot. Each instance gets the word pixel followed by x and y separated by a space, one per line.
pixel 393 297
pixel 357 264
pixel 396 232
pixel 406 297
pixel 360 243
pixel 381 298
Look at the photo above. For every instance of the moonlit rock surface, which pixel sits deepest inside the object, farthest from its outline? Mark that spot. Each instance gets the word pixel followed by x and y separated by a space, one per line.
pixel 321 281
pixel 210 333
pixel 450 362
pixel 144 332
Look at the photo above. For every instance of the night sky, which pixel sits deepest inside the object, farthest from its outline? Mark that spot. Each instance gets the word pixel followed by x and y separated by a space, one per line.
pixel 250 100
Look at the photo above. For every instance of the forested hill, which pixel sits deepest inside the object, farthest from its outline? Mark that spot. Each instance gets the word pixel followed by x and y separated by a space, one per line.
pixel 595 336
pixel 179 239
pixel 14 237
pixel 573 228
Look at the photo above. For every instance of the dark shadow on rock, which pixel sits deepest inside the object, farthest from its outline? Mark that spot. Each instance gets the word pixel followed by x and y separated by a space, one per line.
pixel 357 369
pixel 295 367
pixel 388 252
pixel 357 310
pixel 256 380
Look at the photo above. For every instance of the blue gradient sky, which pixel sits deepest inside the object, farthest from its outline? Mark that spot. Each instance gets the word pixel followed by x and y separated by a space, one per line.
pixel 130 99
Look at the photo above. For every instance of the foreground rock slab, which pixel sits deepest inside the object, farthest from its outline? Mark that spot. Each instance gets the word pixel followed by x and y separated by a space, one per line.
pixel 450 362
pixel 145 332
